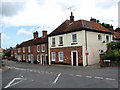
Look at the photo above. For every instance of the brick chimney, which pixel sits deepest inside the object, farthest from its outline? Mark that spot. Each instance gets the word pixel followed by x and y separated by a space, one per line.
pixel 93 19
pixel 44 32
pixel 71 18
pixel 35 34
pixel 111 28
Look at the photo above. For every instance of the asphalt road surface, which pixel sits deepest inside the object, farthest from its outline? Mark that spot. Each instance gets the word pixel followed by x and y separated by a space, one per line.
pixel 24 75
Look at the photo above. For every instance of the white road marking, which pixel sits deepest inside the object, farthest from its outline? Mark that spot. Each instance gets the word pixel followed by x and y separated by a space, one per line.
pixel 10 83
pixel 89 76
pixel 57 78
pixel 110 79
pixel 79 75
pixel 98 77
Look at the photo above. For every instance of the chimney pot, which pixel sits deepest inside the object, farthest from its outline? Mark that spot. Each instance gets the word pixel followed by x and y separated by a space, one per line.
pixel 93 19
pixel 71 18
pixel 35 34
pixel 44 32
pixel 111 27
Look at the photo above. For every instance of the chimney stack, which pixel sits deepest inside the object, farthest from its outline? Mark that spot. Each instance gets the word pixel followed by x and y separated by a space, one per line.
pixel 93 19
pixel 111 28
pixel 35 34
pixel 44 32
pixel 71 18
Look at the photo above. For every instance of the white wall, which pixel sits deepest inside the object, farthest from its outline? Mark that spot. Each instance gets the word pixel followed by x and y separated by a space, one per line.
pixel 93 44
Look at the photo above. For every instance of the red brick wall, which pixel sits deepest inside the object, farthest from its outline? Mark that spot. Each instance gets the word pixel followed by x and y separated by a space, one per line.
pixel 66 54
pixel 33 50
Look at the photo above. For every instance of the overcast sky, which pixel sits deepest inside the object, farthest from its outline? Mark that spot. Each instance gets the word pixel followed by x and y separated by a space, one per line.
pixel 20 18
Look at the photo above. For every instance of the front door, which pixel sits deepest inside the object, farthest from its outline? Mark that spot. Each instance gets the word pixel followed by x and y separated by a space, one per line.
pixel 47 62
pixel 74 58
pixel 42 58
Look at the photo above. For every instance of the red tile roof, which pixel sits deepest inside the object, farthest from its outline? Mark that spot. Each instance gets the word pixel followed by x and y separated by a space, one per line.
pixel 116 35
pixel 40 40
pixel 67 27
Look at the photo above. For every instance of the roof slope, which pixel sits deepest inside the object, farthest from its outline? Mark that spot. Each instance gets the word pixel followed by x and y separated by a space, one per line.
pixel 40 40
pixel 67 27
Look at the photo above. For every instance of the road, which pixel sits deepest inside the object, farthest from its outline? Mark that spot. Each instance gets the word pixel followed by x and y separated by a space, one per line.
pixel 24 75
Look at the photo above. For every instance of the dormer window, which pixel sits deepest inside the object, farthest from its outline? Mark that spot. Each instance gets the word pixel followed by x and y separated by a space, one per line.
pixel 60 40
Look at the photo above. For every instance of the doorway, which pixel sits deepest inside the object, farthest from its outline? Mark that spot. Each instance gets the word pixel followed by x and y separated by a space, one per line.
pixel 42 59
pixel 74 58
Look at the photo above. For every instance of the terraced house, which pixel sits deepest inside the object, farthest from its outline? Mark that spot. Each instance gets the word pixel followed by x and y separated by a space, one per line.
pixel 34 50
pixel 78 42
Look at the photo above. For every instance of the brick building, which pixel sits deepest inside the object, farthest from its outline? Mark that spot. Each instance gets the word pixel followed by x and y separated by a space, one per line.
pixel 34 50
pixel 78 42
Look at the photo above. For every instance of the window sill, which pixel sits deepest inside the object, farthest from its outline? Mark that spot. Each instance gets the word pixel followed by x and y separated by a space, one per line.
pixel 60 45
pixel 53 45
pixel 74 43
pixel 43 51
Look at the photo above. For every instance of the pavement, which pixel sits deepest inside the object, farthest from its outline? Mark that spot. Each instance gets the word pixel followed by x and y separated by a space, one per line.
pixel 24 75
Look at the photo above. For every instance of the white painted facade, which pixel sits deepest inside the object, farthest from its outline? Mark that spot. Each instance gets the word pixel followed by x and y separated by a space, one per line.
pixel 93 44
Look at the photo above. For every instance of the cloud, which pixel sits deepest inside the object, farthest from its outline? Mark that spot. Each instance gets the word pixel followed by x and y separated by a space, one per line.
pixel 3 36
pixel 23 31
pixel 53 12
pixel 10 8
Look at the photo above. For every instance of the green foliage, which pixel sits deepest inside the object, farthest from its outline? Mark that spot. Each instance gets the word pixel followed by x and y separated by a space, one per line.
pixel 114 53
pixel 6 54
pixel 12 58
pixel 114 45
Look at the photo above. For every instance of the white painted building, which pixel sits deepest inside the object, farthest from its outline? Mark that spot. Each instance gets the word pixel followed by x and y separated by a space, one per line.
pixel 69 42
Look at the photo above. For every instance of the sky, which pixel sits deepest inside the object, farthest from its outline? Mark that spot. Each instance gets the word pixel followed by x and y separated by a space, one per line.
pixel 20 18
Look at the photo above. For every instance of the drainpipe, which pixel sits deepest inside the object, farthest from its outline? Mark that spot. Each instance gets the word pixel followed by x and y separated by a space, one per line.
pixel 86 48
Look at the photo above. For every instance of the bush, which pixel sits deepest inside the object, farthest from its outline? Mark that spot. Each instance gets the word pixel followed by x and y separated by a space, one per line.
pixel 12 58
pixel 112 55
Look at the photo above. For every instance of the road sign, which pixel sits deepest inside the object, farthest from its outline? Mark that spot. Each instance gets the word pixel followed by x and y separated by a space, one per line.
pixel 86 52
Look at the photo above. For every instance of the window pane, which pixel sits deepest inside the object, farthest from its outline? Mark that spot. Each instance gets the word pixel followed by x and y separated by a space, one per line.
pixel 61 56
pixel 60 40
pixel 74 38
pixel 53 41
pixel 99 37
pixel 107 38
pixel 53 56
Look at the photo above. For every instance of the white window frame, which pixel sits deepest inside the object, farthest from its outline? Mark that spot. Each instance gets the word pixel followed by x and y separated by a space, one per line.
pixel 19 50
pixel 38 48
pixel 23 57
pixel 73 41
pixel 100 37
pixel 44 48
pixel 37 58
pixel 52 41
pixel 53 53
pixel 60 56
pixel 29 49
pixel 23 49
pixel 59 40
